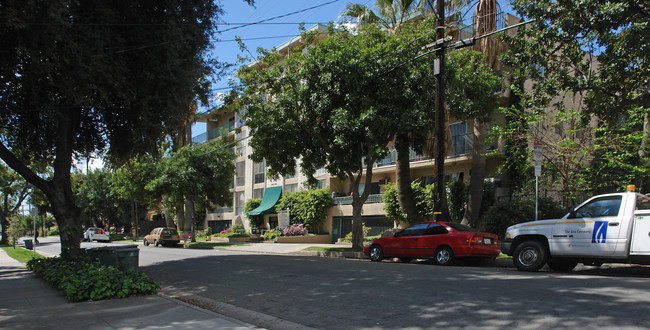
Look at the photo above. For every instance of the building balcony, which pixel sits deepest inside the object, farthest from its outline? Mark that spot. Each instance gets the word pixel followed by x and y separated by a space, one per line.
pixel 347 200
pixel 214 133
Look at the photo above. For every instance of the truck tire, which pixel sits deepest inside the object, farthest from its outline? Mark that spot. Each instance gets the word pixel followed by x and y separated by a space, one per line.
pixel 530 256
pixel 562 265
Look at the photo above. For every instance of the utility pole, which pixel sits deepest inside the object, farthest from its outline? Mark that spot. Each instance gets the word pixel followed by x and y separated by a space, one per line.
pixel 440 211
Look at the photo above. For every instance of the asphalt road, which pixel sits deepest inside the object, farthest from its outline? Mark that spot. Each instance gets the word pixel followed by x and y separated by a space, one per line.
pixel 357 294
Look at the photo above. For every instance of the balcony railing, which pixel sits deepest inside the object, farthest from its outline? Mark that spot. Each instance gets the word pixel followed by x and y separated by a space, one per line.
pixel 372 199
pixel 214 133
pixel 224 209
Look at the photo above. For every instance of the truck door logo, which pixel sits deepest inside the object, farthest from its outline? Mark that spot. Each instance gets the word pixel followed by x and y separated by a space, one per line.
pixel 600 232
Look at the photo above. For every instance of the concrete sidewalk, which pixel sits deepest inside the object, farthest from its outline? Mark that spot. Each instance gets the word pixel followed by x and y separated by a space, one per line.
pixel 27 302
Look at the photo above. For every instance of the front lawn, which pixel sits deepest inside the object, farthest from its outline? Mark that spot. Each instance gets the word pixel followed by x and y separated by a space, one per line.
pixel 20 254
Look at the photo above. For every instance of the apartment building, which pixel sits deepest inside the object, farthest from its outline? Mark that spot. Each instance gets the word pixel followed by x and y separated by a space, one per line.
pixel 250 180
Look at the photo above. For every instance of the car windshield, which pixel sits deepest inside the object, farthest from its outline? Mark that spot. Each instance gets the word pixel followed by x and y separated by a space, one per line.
pixel 169 231
pixel 459 227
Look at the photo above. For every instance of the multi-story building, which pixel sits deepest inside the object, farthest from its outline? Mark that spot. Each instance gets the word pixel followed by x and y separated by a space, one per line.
pixel 250 180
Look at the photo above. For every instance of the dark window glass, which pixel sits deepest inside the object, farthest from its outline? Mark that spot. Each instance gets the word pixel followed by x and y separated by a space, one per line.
pixel 459 227
pixel 642 202
pixel 415 230
pixel 436 229
pixel 600 207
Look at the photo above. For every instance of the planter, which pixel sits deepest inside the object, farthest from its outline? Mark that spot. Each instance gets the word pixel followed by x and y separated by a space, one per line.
pixel 229 239
pixel 312 239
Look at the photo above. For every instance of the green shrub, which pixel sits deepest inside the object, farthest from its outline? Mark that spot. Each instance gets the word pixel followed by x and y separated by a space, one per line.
pixel 54 231
pixel 308 207
pixel 83 279
pixel 456 198
pixel 423 201
pixel 505 213
pixel 256 221
pixel 270 235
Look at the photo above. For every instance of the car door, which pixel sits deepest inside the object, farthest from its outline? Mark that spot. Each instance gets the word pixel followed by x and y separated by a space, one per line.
pixel 592 229
pixel 432 238
pixel 408 242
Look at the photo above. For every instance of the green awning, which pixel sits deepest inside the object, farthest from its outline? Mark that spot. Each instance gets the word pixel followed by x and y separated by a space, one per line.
pixel 271 197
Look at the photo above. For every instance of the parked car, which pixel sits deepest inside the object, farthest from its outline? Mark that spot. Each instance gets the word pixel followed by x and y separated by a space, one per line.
pixel 442 241
pixel 95 234
pixel 162 236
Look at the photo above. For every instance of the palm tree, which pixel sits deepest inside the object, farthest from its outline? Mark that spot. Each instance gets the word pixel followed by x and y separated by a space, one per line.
pixel 485 21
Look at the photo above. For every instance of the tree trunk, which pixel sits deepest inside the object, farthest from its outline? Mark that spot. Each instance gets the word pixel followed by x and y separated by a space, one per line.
pixel 180 216
pixel 4 221
pixel 58 190
pixel 169 220
pixel 67 216
pixel 357 203
pixel 477 177
pixel 189 218
pixel 403 179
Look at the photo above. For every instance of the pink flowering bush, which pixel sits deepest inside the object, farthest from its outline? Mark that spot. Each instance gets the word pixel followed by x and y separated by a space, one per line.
pixel 227 231
pixel 295 230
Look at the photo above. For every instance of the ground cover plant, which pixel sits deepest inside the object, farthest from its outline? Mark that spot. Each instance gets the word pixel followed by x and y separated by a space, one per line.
pixel 81 279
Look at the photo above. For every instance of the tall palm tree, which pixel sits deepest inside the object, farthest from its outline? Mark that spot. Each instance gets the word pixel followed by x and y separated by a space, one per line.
pixel 485 21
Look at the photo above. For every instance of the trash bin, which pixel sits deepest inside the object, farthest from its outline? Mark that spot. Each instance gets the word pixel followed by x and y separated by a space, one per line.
pixel 105 255
pixel 29 244
pixel 127 256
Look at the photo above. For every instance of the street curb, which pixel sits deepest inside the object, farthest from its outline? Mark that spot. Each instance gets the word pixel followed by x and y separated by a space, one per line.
pixel 255 319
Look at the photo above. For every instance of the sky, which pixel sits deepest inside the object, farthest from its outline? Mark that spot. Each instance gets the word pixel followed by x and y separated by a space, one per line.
pixel 267 24
pixel 271 32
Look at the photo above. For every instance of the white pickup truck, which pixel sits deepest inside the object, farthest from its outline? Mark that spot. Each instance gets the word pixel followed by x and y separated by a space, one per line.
pixel 611 228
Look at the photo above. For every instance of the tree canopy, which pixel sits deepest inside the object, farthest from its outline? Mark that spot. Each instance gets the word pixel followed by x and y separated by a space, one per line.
pixel 587 64
pixel 79 77
pixel 330 106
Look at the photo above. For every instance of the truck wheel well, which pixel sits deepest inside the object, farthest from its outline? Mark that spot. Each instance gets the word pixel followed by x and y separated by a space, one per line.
pixel 523 238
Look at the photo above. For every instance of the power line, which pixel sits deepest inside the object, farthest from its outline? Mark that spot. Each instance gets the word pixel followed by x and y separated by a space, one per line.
pixel 280 16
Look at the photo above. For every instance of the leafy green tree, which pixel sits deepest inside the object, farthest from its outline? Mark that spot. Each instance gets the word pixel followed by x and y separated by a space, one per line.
pixel 415 98
pixel 587 63
pixel 13 191
pixel 77 77
pixel 96 199
pixel 130 181
pixel 325 106
pixel 424 203
pixel 202 173
pixel 307 207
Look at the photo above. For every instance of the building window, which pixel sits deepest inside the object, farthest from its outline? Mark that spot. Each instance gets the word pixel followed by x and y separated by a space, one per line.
pixel 241 145
pixel 259 172
pixel 292 187
pixel 458 138
pixel 258 193
pixel 239 203
pixel 240 172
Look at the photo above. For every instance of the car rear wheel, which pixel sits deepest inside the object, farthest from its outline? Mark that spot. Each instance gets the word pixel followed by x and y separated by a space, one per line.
pixel 530 256
pixel 444 256
pixel 145 242
pixel 376 253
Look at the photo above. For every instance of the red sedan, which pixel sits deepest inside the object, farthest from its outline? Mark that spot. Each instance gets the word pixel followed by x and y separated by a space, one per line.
pixel 442 241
